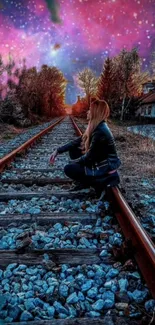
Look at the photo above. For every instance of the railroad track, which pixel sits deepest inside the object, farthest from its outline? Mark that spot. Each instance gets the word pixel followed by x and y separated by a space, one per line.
pixel 64 258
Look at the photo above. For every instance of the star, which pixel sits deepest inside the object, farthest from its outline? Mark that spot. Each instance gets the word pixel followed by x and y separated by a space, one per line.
pixel 74 34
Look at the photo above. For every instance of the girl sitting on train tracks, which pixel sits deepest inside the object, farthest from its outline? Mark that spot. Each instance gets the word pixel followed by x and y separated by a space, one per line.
pixel 95 161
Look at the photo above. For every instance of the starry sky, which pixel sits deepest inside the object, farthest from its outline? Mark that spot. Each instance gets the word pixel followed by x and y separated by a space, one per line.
pixel 74 34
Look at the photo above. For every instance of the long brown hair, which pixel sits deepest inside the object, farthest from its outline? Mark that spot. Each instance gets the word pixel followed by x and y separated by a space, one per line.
pixel 99 111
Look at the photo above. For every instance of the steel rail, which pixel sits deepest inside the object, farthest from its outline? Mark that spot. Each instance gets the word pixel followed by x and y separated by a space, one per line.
pixel 7 159
pixel 142 245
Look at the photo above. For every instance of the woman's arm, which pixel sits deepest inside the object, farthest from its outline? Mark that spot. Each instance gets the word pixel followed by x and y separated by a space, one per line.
pixel 68 146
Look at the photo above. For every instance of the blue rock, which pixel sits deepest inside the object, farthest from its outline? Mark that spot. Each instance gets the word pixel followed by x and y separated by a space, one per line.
pixel 63 290
pixel 98 305
pixel 55 199
pixel 87 285
pixel 81 296
pixel 62 276
pixel 101 290
pixel 84 241
pixel 30 271
pixel 21 267
pixel 4 281
pixel 62 316
pixel 70 278
pixel 75 228
pixel 123 284
pixel 104 253
pixel 39 302
pixel 72 299
pixel 90 210
pixel 134 275
pixel 114 288
pixel 57 227
pixel 52 282
pixel 108 295
pixel 116 240
pixel 92 293
pixel 150 305
pixel 7 287
pixel 33 278
pixel 30 286
pixel 7 274
pixel 33 210
pixel 93 314
pixel 10 267
pixel 112 273
pixel 50 290
pixel 72 312
pixel 50 311
pixel 45 286
pixel 14 299
pixel 108 304
pixel 100 273
pixel 30 304
pixel 139 296
pixel 108 284
pixel 107 219
pixel 3 301
pixel 8 320
pixel 99 296
pixel 88 307
pixel 29 294
pixel 90 274
pixel 16 287
pixel 25 287
pixel 14 312
pixel 26 316
pixel 59 308
pixel 8 296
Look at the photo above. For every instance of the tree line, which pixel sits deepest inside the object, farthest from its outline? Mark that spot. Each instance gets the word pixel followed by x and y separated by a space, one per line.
pixel 120 84
pixel 28 94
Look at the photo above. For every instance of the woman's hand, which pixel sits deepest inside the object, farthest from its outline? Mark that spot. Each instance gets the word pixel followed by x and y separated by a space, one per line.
pixel 53 156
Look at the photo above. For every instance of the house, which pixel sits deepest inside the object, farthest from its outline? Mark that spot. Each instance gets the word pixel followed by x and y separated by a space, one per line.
pixel 148 86
pixel 147 106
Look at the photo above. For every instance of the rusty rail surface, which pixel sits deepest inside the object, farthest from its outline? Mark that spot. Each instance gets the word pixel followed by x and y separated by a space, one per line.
pixel 143 247
pixel 7 159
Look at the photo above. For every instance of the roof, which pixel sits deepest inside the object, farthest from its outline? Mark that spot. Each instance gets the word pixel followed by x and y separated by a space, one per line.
pixel 149 99
pixel 149 83
pixel 143 96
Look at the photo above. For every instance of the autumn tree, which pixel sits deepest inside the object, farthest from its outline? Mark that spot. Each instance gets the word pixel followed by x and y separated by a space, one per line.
pixel 52 88
pixel 121 81
pixel 27 92
pixel 87 81
pixel 127 66
pixel 107 83
pixel 42 92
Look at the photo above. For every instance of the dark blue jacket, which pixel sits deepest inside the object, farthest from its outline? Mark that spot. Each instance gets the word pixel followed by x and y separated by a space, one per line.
pixel 102 147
